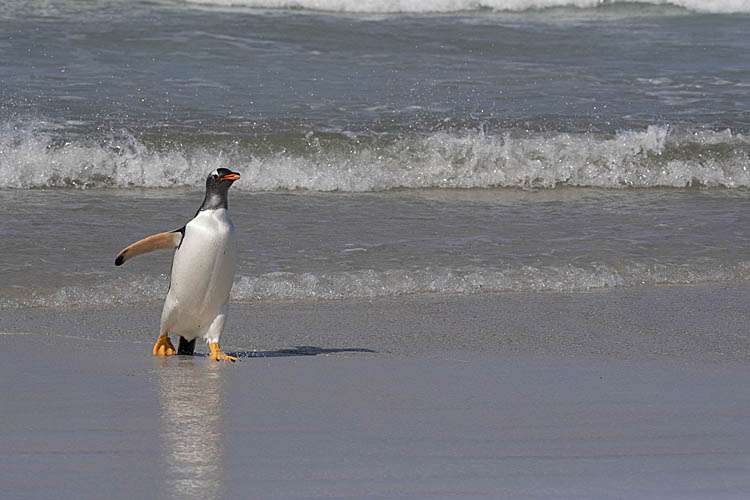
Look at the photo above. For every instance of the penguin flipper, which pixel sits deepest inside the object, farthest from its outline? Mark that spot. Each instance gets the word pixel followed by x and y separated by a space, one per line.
pixel 169 239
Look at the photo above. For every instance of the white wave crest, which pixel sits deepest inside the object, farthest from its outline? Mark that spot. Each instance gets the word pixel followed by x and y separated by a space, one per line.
pixel 32 158
pixel 655 157
pixel 447 6
pixel 478 160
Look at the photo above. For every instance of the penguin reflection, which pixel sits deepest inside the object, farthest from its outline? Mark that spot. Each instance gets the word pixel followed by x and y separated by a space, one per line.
pixel 192 420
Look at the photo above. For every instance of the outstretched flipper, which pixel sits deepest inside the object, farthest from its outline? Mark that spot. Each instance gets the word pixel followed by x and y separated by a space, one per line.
pixel 169 239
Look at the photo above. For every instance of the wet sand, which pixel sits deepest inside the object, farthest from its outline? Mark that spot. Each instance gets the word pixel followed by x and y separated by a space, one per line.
pixel 628 393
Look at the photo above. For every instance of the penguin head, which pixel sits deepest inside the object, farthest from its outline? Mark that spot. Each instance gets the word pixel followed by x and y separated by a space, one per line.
pixel 217 186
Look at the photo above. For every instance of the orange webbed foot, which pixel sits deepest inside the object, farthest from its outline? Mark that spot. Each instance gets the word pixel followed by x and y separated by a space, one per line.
pixel 217 354
pixel 163 346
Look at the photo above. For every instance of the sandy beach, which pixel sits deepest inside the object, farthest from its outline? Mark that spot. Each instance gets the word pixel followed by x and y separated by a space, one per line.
pixel 626 393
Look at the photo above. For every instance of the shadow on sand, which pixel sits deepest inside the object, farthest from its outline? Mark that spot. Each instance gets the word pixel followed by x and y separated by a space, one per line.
pixel 300 350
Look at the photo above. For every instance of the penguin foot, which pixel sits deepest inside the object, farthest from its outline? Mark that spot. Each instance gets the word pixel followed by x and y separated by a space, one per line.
pixel 217 354
pixel 163 346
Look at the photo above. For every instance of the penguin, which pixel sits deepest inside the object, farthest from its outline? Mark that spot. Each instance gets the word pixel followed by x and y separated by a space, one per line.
pixel 202 274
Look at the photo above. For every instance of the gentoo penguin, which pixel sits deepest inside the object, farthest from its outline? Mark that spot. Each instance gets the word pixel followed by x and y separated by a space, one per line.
pixel 202 272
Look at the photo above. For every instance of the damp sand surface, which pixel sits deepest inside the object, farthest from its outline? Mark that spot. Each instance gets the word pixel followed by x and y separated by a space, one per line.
pixel 626 393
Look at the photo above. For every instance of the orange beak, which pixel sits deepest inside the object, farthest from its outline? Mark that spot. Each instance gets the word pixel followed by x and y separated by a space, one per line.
pixel 230 177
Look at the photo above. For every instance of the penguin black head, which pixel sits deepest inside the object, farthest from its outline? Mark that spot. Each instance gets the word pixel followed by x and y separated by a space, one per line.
pixel 217 186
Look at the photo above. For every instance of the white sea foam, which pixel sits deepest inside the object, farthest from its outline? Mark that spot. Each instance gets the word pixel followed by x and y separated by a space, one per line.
pixel 444 6
pixel 655 157
pixel 367 284
pixel 392 283
pixel 33 158
pixel 118 291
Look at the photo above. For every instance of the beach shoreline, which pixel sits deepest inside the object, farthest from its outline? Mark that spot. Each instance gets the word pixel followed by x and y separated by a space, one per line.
pixel 706 322
pixel 550 395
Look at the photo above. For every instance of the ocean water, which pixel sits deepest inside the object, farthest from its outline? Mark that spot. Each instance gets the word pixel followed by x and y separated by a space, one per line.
pixel 386 148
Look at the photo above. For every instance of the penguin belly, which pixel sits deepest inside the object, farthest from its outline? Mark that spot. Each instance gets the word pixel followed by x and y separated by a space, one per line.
pixel 202 275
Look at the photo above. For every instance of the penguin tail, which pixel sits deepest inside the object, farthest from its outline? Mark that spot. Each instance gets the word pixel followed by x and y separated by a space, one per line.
pixel 186 347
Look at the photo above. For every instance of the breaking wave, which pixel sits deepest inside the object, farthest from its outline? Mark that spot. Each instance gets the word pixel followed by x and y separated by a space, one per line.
pixel 658 156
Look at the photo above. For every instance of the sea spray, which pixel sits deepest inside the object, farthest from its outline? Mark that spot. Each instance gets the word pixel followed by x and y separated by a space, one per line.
pixel 657 156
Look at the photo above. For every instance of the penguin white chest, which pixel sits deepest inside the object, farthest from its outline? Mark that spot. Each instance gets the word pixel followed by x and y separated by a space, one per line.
pixel 202 275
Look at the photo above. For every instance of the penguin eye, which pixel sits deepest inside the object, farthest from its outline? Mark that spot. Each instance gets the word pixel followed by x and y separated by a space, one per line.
pixel 215 176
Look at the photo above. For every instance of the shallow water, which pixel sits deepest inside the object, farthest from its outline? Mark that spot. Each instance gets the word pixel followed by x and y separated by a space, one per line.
pixel 61 244
pixel 453 147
